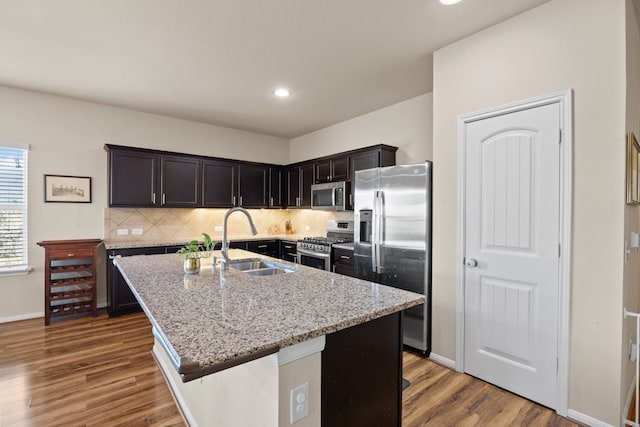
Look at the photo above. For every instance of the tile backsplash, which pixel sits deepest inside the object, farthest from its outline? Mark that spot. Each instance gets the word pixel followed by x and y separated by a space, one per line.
pixel 180 224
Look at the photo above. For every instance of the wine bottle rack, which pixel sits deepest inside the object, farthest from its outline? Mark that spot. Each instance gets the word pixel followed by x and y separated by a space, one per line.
pixel 70 277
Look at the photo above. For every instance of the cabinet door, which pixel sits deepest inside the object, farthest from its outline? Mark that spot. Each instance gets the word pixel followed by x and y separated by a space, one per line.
pixel 306 179
pixel 219 184
pixel 365 160
pixel 335 169
pixel 277 192
pixel 343 262
pixel 323 171
pixel 132 178
pixel 288 250
pixel 263 247
pixel 276 196
pixel 253 186
pixel 180 181
pixel 293 187
pixel 340 169
pixel 120 299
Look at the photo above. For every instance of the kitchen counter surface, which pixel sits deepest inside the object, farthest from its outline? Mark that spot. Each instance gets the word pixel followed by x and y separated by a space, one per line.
pixel 141 243
pixel 214 320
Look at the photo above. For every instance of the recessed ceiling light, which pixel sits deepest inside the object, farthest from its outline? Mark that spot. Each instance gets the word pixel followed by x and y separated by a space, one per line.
pixel 448 2
pixel 281 92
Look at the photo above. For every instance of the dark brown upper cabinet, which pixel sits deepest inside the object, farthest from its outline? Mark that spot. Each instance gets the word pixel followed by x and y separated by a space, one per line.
pixel 292 181
pixel 298 182
pixel 133 178
pixel 253 187
pixel 332 169
pixel 227 184
pixel 276 190
pixel 145 179
pixel 150 178
pixel 376 156
pixel 180 181
pixel 219 184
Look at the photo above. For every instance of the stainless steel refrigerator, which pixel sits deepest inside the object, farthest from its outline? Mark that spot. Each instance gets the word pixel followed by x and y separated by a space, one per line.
pixel 392 238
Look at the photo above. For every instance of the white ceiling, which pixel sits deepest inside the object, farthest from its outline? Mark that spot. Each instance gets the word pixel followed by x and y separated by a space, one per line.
pixel 218 61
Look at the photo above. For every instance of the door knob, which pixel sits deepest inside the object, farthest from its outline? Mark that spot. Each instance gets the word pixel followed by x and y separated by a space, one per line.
pixel 471 262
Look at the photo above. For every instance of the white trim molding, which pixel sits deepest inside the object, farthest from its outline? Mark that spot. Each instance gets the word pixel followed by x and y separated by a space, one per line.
pixel 441 360
pixel 300 350
pixel 564 99
pixel 586 419
pixel 21 317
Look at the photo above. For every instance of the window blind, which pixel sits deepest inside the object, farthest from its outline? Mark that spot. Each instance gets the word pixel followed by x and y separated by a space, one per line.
pixel 13 209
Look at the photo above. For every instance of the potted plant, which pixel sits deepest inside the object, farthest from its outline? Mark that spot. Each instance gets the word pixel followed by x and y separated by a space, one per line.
pixel 193 251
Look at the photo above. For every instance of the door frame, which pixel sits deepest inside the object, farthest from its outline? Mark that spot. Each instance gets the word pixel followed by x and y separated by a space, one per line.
pixel 564 99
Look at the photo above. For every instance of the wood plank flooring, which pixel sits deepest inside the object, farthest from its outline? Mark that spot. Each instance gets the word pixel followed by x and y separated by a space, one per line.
pixel 100 372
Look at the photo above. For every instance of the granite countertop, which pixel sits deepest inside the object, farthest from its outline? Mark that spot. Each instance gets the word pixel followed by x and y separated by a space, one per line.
pixel 214 320
pixel 141 243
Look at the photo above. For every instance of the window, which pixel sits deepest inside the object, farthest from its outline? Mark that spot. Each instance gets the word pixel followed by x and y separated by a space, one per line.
pixel 13 209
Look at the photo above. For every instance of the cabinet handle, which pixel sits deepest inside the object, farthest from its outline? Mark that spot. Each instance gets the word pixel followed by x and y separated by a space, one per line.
pixel 240 200
pixel 297 201
pixel 270 201
pixel 351 199
pixel 234 200
pixel 71 255
pixel 344 257
pixel 262 246
pixel 164 198
pixel 153 198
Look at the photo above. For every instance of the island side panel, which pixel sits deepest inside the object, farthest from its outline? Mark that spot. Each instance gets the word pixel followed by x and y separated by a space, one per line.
pixel 244 395
pixel 362 375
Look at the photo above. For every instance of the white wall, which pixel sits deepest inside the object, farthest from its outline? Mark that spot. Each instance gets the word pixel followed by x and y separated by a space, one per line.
pixel 406 125
pixel 563 44
pixel 67 138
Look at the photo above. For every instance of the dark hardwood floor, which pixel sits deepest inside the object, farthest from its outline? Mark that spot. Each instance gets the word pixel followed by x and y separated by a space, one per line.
pixel 100 372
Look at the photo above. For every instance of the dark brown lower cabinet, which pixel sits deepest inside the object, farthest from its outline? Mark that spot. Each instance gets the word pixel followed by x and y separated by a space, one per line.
pixel 120 299
pixel 343 262
pixel 362 375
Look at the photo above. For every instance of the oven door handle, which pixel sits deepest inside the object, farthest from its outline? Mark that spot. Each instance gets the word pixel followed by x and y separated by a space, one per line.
pixel 314 254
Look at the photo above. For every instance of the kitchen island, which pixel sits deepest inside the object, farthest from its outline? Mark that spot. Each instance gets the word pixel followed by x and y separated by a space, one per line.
pixel 234 346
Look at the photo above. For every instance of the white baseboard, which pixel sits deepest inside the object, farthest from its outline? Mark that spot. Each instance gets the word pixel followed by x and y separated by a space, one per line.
pixel 21 317
pixel 442 361
pixel 586 419
pixel 33 315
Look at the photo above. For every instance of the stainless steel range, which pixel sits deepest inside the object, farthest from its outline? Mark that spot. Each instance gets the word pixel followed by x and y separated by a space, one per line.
pixel 316 251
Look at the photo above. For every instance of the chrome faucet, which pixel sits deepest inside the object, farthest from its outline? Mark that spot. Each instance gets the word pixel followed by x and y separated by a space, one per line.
pixel 225 242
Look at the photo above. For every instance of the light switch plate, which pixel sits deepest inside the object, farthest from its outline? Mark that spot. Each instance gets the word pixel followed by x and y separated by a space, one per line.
pixel 123 231
pixel 136 231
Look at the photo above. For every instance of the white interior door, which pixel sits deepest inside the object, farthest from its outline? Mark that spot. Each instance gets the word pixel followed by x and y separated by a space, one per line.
pixel 511 251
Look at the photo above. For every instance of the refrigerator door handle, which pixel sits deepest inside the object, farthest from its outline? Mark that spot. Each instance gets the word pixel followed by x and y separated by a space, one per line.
pixel 379 231
pixel 374 233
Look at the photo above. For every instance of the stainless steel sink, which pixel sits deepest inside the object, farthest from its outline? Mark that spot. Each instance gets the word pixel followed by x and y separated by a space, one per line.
pixel 248 265
pixel 260 267
pixel 267 271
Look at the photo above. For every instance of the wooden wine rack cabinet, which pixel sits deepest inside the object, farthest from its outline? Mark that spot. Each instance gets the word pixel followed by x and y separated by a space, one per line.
pixel 70 277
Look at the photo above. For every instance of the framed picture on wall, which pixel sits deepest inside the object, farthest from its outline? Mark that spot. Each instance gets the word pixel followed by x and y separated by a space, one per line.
pixel 67 189
pixel 633 165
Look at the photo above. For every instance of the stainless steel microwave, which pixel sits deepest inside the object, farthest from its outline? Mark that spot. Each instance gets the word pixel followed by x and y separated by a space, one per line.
pixel 331 196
